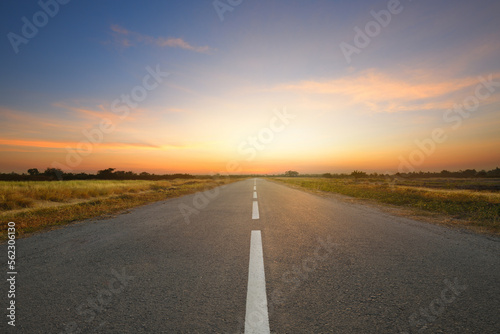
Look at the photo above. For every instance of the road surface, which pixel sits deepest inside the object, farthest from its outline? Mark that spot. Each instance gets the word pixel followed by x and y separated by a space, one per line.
pixel 256 256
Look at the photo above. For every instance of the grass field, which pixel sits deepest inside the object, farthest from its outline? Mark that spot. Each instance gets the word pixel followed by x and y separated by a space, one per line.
pixel 39 205
pixel 471 203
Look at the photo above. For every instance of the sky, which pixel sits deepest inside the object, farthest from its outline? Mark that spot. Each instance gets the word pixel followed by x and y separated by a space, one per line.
pixel 248 86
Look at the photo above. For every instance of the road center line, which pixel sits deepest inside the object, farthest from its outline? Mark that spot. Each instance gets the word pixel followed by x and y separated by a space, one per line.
pixel 255 210
pixel 256 317
pixel 254 187
pixel 254 194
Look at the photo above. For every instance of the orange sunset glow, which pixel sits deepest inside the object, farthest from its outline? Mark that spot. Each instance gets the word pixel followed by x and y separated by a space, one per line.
pixel 264 90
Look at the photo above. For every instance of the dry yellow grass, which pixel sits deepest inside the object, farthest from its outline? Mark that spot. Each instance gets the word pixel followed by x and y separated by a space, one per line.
pixel 40 205
pixel 16 195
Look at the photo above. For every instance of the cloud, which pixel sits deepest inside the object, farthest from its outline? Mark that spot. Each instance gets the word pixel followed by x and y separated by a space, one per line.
pixel 96 111
pixel 380 92
pixel 127 38
pixel 81 111
pixel 71 144
pixel 15 121
pixel 120 30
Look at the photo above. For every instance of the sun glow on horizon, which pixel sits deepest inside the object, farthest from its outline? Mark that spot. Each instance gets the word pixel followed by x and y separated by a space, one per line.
pixel 198 100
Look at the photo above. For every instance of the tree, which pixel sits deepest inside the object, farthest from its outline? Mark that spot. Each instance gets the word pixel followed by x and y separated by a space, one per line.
pixel 482 173
pixel 358 174
pixel 33 171
pixel 54 173
pixel 445 173
pixel 291 173
pixel 494 172
pixel 105 173
pixel 469 173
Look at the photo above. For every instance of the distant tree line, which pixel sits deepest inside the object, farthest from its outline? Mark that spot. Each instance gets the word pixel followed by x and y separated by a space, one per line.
pixel 54 174
pixel 468 173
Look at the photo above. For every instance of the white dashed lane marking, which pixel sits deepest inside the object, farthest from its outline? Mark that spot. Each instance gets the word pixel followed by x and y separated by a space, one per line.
pixel 255 207
pixel 255 210
pixel 256 317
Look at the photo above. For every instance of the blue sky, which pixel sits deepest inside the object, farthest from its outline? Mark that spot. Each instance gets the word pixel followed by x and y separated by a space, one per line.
pixel 226 79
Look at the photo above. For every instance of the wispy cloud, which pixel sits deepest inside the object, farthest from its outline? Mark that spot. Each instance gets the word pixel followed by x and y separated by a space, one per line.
pixel 127 38
pixel 82 111
pixel 70 144
pixel 96 110
pixel 16 121
pixel 380 92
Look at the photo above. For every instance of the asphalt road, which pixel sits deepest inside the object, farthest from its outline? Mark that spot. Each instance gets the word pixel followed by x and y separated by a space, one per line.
pixel 182 266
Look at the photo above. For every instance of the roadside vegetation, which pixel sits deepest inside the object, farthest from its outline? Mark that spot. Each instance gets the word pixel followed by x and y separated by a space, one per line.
pixel 42 200
pixel 469 202
pixel 39 205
